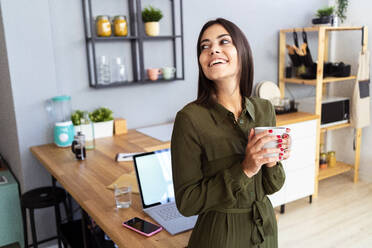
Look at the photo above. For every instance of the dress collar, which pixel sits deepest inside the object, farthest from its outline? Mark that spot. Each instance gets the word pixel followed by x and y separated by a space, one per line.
pixel 219 112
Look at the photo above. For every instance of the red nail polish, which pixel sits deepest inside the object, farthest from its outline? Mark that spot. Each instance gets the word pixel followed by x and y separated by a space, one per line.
pixel 288 130
pixel 280 158
pixel 278 136
pixel 281 154
pixel 280 145
pixel 270 131
pixel 281 148
pixel 280 140
pixel 285 135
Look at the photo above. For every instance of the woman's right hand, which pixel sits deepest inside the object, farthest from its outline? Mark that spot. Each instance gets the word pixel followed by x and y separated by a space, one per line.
pixel 254 154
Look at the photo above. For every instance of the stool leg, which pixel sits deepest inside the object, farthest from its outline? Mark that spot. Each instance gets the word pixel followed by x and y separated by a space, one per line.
pixel 69 200
pixel 68 211
pixel 58 223
pixel 33 229
pixel 24 217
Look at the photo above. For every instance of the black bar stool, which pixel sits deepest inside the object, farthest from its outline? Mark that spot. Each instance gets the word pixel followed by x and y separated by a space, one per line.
pixel 38 198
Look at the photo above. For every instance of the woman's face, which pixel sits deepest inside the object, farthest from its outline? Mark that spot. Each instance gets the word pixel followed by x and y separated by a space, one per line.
pixel 218 57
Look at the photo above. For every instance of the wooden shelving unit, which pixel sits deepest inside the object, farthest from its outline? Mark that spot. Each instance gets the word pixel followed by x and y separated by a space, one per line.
pixel 320 84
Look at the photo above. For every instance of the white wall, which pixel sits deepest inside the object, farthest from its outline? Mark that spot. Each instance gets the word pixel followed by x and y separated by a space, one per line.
pixel 46 56
pixel 9 147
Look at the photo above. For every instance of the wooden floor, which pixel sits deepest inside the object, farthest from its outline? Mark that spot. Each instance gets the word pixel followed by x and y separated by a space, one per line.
pixel 340 217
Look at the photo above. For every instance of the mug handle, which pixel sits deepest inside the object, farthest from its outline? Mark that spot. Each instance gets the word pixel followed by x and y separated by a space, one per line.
pixel 173 70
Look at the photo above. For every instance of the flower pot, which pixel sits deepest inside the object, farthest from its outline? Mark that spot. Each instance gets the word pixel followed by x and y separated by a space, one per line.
pixel 103 129
pixel 322 20
pixel 152 28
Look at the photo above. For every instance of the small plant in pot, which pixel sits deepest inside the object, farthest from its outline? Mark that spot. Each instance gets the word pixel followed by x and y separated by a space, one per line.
pixel 324 16
pixel 151 17
pixel 103 122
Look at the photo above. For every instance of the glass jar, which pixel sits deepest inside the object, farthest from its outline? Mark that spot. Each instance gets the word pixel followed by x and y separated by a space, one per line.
pixel 120 26
pixel 323 160
pixel 103 26
pixel 331 158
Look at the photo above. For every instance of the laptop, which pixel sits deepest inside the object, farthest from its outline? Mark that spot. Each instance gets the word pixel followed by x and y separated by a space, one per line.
pixel 155 183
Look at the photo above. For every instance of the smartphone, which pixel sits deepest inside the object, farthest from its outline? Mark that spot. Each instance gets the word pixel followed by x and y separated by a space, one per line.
pixel 141 226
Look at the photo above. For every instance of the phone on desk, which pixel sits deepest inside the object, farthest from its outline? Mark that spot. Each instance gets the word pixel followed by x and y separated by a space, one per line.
pixel 141 226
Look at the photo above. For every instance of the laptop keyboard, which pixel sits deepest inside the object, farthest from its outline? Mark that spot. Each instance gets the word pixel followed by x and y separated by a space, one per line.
pixel 168 213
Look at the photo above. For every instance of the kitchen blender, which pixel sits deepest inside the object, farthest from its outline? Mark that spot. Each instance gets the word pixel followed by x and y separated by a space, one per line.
pixel 59 109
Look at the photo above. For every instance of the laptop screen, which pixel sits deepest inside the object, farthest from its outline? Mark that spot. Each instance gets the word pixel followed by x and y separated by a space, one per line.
pixel 154 174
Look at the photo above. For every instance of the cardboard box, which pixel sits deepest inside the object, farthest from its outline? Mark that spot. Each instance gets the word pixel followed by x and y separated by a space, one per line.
pixel 120 126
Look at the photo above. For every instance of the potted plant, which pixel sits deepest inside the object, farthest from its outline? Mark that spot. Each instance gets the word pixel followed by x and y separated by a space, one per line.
pixel 341 9
pixel 151 18
pixel 103 122
pixel 324 15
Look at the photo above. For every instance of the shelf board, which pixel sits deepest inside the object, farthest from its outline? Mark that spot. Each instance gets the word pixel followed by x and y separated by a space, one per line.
pixel 317 28
pixel 338 79
pixel 131 83
pixel 113 38
pixel 334 127
pixel 340 168
pixel 313 81
pixel 161 37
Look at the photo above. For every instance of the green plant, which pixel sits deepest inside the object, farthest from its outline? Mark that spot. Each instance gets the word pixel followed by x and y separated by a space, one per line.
pixel 150 14
pixel 76 116
pixel 101 114
pixel 328 11
pixel 341 9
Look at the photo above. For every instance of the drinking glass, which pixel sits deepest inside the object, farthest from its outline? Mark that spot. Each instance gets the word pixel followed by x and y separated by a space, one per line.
pixel 103 70
pixel 118 72
pixel 123 197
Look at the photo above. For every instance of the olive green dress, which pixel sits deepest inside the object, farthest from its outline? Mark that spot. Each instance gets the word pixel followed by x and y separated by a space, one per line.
pixel 207 147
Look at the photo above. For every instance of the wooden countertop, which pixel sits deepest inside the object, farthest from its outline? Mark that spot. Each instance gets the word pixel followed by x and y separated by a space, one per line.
pixel 86 181
pixel 291 118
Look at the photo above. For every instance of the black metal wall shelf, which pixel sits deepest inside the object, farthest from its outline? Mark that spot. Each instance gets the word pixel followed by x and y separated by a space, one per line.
pixel 136 38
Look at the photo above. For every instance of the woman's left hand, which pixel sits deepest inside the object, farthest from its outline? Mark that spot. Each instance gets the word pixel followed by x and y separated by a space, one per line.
pixel 285 146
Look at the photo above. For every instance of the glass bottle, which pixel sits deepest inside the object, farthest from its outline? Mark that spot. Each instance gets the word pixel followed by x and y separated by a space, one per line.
pixel 86 127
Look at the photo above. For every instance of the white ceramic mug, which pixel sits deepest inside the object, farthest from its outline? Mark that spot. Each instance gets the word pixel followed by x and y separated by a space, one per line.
pixel 272 144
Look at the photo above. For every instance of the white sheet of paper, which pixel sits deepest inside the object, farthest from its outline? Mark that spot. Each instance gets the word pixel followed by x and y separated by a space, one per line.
pixel 161 132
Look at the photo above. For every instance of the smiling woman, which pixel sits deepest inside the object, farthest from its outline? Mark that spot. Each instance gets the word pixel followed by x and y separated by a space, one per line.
pixel 221 171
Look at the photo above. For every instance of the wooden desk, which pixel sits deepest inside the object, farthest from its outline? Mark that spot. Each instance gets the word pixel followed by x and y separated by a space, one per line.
pixel 86 181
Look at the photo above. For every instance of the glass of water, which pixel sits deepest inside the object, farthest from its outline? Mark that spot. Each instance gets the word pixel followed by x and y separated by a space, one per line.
pixel 123 197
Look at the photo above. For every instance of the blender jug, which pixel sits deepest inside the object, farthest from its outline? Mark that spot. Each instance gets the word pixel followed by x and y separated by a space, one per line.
pixel 59 109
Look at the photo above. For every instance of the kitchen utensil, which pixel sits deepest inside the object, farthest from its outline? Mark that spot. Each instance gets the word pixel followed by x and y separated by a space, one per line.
pixel 78 146
pixel 59 110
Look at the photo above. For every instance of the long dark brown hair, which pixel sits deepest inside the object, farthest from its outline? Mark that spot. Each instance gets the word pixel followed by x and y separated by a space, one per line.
pixel 206 87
